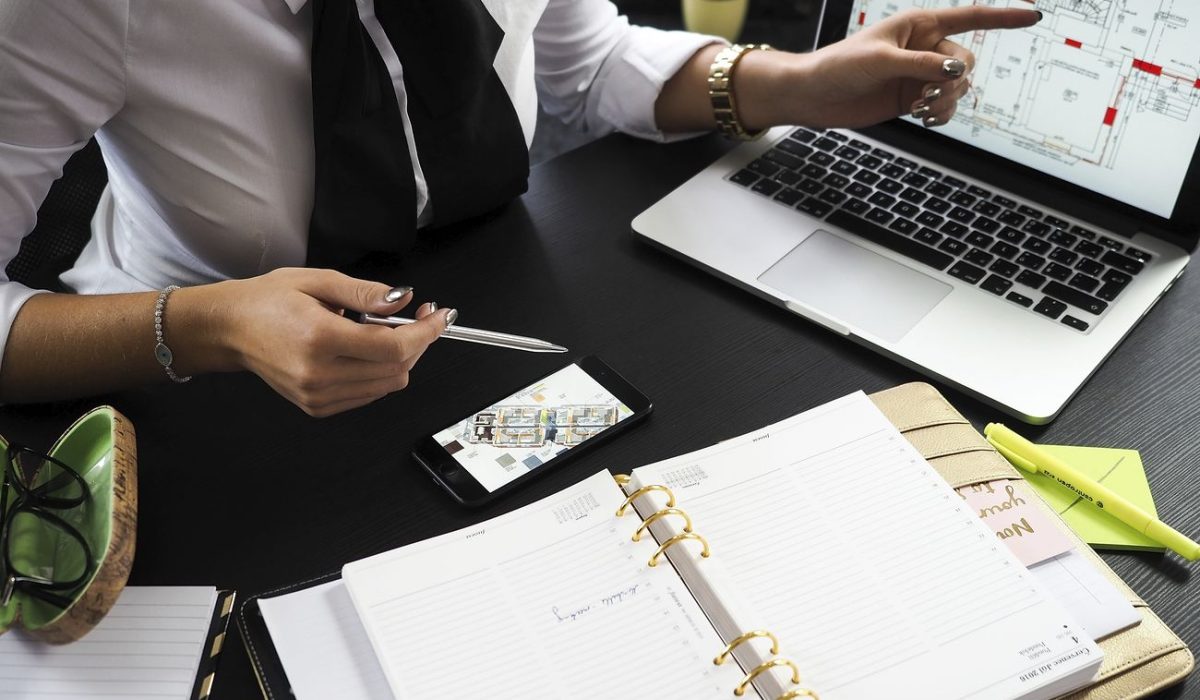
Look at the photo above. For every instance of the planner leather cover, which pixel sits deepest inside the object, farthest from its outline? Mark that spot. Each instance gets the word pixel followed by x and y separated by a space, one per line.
pixel 1138 661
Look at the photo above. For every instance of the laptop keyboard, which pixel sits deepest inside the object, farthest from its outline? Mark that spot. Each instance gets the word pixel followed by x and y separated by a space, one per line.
pixel 1054 267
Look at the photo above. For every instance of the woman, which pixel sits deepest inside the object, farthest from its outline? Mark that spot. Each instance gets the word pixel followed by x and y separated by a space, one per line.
pixel 248 139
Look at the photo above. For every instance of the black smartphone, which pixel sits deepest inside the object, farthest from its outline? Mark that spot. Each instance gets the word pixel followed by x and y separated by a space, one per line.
pixel 501 446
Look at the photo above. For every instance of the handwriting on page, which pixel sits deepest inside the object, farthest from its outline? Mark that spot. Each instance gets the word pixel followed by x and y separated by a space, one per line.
pixel 612 600
pixel 1006 507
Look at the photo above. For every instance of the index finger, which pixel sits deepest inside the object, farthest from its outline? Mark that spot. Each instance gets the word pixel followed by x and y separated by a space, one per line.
pixel 957 20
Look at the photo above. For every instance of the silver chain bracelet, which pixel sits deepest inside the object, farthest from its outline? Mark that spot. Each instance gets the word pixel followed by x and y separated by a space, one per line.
pixel 162 353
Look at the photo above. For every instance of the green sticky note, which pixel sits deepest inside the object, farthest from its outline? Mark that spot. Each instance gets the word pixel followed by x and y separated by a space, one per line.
pixel 1121 471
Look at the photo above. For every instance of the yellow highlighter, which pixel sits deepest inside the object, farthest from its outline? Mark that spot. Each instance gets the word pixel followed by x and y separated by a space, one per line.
pixel 1031 458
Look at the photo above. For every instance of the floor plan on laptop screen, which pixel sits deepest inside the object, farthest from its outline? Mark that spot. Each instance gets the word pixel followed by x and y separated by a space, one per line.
pixel 1101 93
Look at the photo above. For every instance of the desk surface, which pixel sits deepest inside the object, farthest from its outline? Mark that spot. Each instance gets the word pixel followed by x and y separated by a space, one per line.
pixel 239 489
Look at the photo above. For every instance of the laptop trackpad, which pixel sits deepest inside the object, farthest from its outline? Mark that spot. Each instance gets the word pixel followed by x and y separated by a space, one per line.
pixel 855 286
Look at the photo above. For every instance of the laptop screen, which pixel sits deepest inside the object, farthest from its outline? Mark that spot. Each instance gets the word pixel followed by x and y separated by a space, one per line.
pixel 1103 95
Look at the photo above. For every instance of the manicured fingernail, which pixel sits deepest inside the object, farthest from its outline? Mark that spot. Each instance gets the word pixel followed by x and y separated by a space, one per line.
pixel 1040 15
pixel 931 121
pixel 920 109
pixel 396 294
pixel 451 317
pixel 953 68
pixel 932 94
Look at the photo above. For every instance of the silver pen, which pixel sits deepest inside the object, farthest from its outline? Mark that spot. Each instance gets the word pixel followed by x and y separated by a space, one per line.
pixel 472 335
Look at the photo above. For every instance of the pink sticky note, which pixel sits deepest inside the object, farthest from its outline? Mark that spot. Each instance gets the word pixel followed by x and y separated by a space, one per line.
pixel 1007 507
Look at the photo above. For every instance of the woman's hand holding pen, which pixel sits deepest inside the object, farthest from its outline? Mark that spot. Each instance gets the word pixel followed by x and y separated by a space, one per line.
pixel 287 327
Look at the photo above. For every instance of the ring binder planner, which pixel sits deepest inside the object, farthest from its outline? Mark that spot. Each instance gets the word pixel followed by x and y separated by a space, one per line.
pixel 706 552
pixel 798 693
pixel 763 668
pixel 752 634
pixel 643 491
pixel 645 526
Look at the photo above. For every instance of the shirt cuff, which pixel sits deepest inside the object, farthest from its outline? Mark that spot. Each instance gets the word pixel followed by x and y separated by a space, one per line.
pixel 13 296
pixel 629 82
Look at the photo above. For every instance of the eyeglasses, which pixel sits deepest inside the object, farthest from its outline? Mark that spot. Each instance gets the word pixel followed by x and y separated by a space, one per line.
pixel 44 556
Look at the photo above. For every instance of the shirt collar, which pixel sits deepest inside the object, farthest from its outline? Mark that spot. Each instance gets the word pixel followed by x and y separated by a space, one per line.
pixel 296 5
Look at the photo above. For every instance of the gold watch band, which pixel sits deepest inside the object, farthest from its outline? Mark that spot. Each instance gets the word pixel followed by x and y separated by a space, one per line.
pixel 721 92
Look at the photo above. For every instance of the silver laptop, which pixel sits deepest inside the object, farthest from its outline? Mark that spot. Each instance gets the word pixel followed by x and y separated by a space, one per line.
pixel 1006 253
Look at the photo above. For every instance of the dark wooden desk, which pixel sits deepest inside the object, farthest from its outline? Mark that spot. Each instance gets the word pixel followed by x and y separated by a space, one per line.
pixel 240 489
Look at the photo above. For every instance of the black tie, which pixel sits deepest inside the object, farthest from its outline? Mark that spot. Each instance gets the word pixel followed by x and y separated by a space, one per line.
pixel 468 136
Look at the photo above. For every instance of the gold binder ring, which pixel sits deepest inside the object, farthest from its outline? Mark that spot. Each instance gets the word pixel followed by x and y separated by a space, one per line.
pixel 799 693
pixel 763 668
pixel 644 490
pixel 621 479
pixel 752 634
pixel 706 552
pixel 637 536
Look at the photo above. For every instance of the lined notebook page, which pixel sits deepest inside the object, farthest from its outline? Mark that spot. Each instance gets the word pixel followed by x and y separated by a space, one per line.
pixel 552 601
pixel 148 647
pixel 844 542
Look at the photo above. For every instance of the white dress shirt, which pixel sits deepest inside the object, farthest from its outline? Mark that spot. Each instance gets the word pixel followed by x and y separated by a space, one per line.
pixel 203 112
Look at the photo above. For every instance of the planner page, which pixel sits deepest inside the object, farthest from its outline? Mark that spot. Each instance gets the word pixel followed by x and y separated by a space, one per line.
pixel 554 600
pixel 836 535
pixel 148 647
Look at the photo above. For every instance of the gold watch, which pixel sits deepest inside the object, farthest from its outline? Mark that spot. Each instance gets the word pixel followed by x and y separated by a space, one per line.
pixel 720 91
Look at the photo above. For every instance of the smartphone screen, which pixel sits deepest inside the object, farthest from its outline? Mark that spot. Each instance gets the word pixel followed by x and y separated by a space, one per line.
pixel 522 433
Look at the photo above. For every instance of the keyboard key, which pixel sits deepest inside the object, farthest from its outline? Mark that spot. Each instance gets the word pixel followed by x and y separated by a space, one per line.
pixel 857 189
pixel 825 143
pixel 815 207
pixel 847 153
pixel 890 186
pixel 1075 298
pixel 1110 290
pixel 1075 323
pixel 867 177
pixel 954 182
pixel 891 240
pixel 869 161
pixel 1122 263
pixel 1031 279
pixel 962 199
pixel 837 136
pixel 978 257
pixel 1089 267
pixel 1004 201
pixel 903 226
pixel 792 148
pixel 914 180
pixel 1084 282
pixel 744 177
pixel 1050 307
pixel 833 196
pixel 907 164
pixel 860 145
pixel 1058 272
pixel 1089 249
pixel 908 211
pixel 1032 261
pixel 928 218
pixel 930 237
pixel 1011 218
pixel 954 229
pixel 996 285
pixel 980 240
pixel 788 177
pixel 802 134
pixel 1020 299
pixel 930 172
pixel 763 167
pixel 986 208
pixel 843 168
pixel 813 171
pixel 966 272
pixel 810 187
pixel 961 215
pixel 856 206
pixel 767 187
pixel 1037 228
pixel 913 195
pixel 985 224
pixel 979 191
pixel 893 171
pixel 1004 267
pixel 951 246
pixel 1010 234
pixel 939 189
pixel 1057 222
pixel 789 197
pixel 881 153
pixel 1030 211
pixel 835 180
pixel 1037 245
pixel 1117 277
pixel 1083 232
pixel 1064 256
pixel 1062 238
pixel 1111 243
pixel 940 206
pixel 880 199
pixel 787 160
pixel 822 159
pixel 880 216
pixel 1008 251
pixel 1139 255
